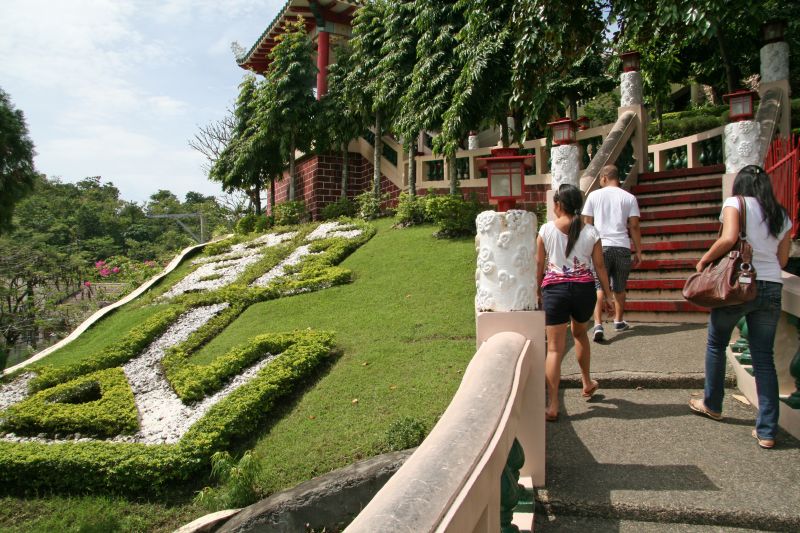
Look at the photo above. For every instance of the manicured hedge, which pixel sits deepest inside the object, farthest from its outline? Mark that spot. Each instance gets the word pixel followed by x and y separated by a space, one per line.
pixel 70 408
pixel 138 469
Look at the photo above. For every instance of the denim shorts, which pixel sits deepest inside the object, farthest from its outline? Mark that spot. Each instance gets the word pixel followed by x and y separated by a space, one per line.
pixel 563 301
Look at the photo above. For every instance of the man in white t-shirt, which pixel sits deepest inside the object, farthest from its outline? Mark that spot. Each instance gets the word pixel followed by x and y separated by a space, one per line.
pixel 613 211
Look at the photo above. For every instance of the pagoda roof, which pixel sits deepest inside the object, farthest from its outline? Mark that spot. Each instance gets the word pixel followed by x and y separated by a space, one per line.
pixel 336 11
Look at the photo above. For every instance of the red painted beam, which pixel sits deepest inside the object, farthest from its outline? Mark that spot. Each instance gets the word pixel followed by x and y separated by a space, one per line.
pixel 681 172
pixel 667 264
pixel 671 229
pixel 674 306
pixel 681 213
pixel 688 198
pixel 706 183
pixel 670 246
pixel 655 284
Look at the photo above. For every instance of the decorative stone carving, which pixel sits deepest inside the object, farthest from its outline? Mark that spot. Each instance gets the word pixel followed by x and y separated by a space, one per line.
pixel 505 276
pixel 565 162
pixel 775 62
pixel 741 145
pixel 630 86
pixel 472 142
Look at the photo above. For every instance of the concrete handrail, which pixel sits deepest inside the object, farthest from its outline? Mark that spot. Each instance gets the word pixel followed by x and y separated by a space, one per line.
pixel 452 482
pixel 609 151
pixel 768 115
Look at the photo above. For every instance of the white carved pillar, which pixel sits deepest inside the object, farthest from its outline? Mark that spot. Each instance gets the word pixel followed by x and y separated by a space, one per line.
pixel 630 87
pixel 472 141
pixel 741 145
pixel 775 74
pixel 505 277
pixel 565 162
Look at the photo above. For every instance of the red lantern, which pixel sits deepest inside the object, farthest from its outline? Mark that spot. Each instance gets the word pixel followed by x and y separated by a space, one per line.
pixel 741 104
pixel 583 123
pixel 630 61
pixel 563 131
pixel 506 172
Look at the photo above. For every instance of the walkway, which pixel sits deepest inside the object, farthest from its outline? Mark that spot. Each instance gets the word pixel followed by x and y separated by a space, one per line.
pixel 636 459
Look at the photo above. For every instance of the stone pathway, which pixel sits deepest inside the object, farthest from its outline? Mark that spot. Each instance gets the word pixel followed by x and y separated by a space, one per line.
pixel 634 458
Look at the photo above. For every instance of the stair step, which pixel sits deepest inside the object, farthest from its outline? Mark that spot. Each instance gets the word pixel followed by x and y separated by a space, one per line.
pixel 667 264
pixel 685 198
pixel 680 213
pixel 671 229
pixel 655 284
pixel 681 172
pixel 675 306
pixel 662 246
pixel 702 183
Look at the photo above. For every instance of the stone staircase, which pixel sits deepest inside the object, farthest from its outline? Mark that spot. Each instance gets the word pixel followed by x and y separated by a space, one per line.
pixel 679 221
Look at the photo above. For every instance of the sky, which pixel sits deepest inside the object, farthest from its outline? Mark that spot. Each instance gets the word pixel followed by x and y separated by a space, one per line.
pixel 116 88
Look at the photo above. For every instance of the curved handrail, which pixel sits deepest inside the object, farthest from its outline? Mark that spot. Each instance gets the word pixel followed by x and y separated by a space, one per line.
pixel 451 482
pixel 768 114
pixel 609 151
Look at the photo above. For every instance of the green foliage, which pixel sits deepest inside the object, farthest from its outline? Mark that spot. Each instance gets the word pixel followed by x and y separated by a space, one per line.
pixel 290 213
pixel 246 224
pixel 454 215
pixel 369 204
pixel 683 127
pixel 240 482
pixel 17 174
pixel 100 404
pixel 411 210
pixel 603 108
pixel 343 207
pixel 263 223
pixel 402 434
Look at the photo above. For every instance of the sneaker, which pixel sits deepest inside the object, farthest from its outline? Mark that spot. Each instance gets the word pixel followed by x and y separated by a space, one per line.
pixel 597 333
pixel 621 326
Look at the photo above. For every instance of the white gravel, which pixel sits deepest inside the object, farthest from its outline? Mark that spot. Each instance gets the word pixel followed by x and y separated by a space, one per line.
pixel 15 391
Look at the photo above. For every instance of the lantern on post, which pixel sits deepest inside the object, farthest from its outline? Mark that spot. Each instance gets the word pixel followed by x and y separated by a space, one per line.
pixel 563 131
pixel 741 104
pixel 630 61
pixel 583 123
pixel 506 172
pixel 772 31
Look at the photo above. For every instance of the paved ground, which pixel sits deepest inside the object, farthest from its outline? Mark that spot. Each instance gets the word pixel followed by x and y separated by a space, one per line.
pixel 634 458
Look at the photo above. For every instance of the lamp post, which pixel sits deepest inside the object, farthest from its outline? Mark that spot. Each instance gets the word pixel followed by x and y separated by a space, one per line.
pixel 583 123
pixel 630 80
pixel 506 173
pixel 565 157
pixel 741 104
pixel 630 61
pixel 772 31
pixel 564 131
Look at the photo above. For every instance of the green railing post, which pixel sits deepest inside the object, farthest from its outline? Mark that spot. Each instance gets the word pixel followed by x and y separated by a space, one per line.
pixel 510 489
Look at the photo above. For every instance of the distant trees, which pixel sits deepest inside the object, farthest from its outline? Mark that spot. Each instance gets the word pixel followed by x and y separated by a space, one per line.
pixel 17 173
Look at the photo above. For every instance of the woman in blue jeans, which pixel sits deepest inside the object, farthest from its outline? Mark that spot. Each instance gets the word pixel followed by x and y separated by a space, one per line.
pixel 768 233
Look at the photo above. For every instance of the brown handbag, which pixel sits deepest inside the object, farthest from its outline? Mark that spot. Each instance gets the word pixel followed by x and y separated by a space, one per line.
pixel 731 280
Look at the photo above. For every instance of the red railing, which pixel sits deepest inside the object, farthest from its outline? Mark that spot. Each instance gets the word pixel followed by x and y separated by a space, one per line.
pixel 783 165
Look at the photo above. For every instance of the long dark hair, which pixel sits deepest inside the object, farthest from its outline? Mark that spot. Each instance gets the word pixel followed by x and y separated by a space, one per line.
pixel 571 200
pixel 753 181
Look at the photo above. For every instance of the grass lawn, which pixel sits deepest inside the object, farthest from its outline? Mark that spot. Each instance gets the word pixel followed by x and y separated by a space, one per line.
pixel 405 327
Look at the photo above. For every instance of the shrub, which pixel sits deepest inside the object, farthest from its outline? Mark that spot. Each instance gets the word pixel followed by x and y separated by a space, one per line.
pixel 369 204
pixel 239 482
pixel 410 210
pixel 246 224
pixel 99 404
pixel 454 215
pixel 263 223
pixel 290 213
pixel 343 207
pixel 403 434
pixel 603 108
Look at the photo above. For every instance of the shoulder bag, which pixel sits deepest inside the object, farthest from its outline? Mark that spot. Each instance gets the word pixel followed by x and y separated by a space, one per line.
pixel 731 280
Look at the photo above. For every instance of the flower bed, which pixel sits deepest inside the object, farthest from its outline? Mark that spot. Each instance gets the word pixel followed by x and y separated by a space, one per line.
pixel 156 420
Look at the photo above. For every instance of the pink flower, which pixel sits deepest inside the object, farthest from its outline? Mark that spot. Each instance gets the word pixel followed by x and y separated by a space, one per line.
pixel 99 264
pixel 105 272
pixel 87 283
pixel 115 270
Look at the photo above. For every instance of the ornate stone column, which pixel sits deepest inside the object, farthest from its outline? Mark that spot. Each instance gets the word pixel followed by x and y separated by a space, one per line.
pixel 565 163
pixel 775 75
pixel 472 141
pixel 630 86
pixel 741 145
pixel 505 277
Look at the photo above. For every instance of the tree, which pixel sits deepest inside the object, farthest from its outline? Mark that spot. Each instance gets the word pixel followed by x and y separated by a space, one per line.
pixel 286 102
pixel 212 139
pixel 253 154
pixel 17 174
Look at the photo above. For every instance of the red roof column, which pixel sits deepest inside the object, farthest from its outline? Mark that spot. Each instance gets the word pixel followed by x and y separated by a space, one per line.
pixel 323 52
